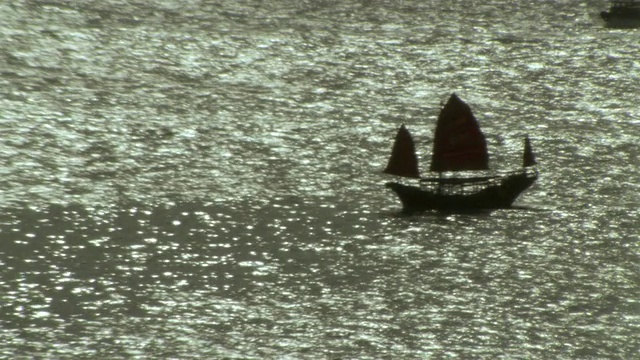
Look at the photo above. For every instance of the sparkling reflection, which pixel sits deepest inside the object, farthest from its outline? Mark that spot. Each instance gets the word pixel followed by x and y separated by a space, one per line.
pixel 212 277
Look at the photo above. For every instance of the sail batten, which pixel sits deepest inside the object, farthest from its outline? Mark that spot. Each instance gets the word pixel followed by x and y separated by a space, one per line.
pixel 459 144
pixel 403 160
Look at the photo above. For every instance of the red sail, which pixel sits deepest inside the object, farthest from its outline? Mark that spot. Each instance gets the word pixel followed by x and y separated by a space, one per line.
pixel 403 160
pixel 459 144
pixel 528 159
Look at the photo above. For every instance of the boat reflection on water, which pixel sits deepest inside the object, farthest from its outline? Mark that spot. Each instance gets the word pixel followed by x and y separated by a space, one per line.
pixel 622 14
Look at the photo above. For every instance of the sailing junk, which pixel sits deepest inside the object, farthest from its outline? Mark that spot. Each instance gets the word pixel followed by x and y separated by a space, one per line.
pixel 459 145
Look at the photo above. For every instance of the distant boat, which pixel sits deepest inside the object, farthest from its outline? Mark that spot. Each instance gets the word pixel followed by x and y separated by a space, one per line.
pixel 622 14
pixel 459 146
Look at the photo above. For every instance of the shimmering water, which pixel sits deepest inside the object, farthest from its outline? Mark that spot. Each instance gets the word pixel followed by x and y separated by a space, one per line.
pixel 195 179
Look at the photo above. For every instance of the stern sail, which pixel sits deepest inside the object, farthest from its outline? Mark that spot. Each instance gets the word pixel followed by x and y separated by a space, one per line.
pixel 403 160
pixel 528 159
pixel 459 143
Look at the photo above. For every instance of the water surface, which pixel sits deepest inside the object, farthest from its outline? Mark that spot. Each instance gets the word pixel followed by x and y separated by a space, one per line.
pixel 202 180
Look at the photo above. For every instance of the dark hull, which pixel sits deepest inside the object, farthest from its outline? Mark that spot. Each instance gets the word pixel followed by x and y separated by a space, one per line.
pixel 500 193
pixel 622 17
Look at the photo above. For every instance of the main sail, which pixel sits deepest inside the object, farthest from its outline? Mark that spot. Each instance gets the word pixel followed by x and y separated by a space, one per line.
pixel 403 160
pixel 459 143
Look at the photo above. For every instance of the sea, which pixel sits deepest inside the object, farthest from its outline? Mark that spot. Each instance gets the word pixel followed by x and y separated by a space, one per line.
pixel 195 179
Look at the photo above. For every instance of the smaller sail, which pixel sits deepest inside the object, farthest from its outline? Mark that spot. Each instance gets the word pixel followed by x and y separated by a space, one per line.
pixel 403 160
pixel 528 159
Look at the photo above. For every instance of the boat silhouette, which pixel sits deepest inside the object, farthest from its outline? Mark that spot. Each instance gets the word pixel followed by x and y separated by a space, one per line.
pixel 459 148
